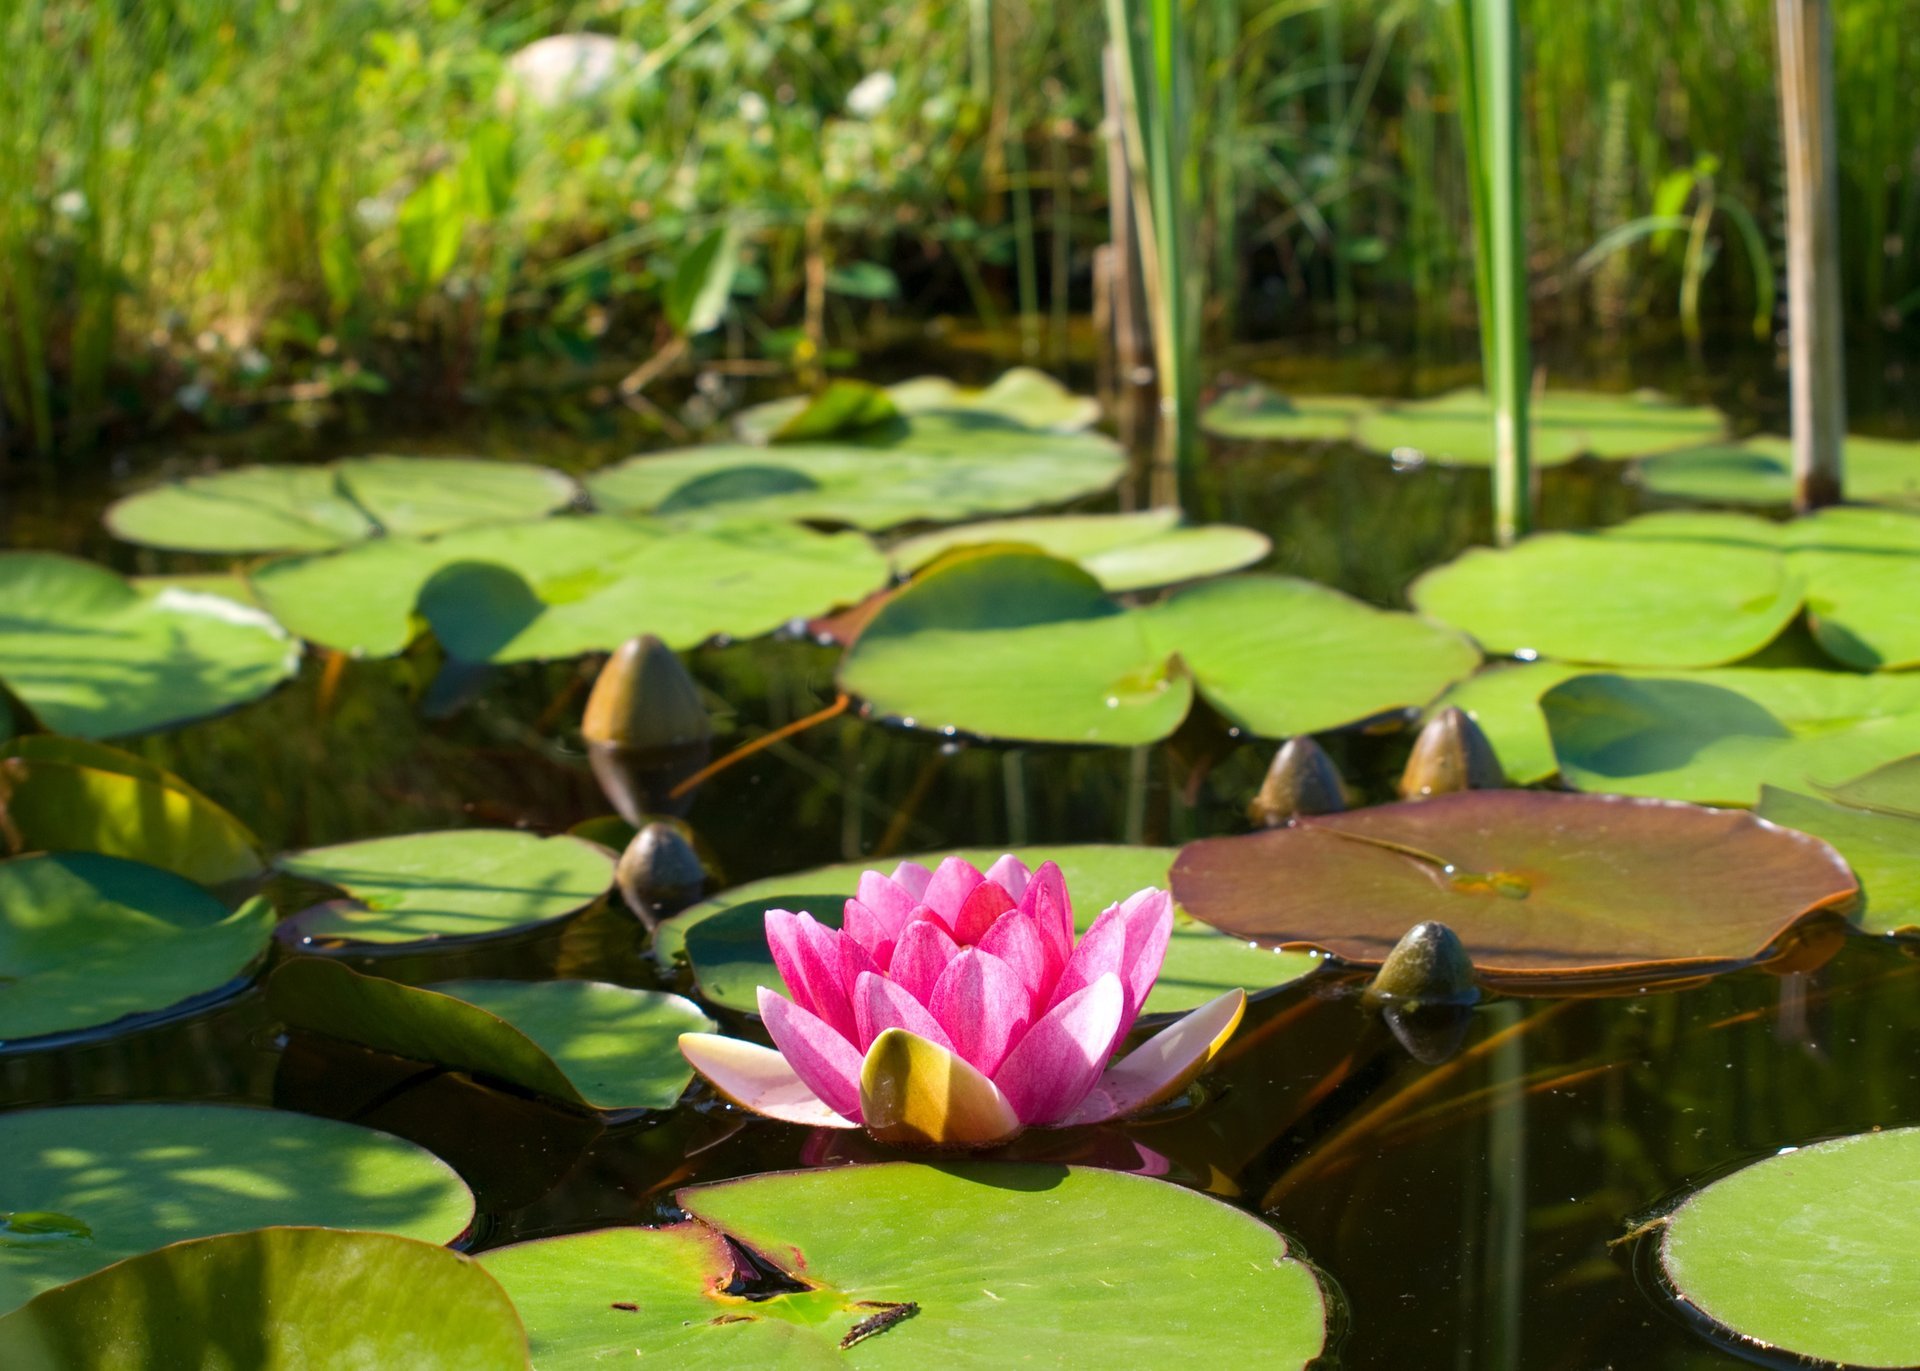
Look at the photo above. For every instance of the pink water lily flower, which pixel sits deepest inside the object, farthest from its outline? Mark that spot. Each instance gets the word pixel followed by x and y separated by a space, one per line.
pixel 955 1008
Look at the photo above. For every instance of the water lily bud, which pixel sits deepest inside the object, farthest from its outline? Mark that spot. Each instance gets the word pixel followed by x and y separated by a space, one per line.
pixel 1428 966
pixel 646 727
pixel 1302 781
pixel 659 873
pixel 1451 754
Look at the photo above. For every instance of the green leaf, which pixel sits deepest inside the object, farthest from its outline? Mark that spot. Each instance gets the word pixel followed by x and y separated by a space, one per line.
pixel 1123 551
pixel 594 1045
pixel 276 1299
pixel 1883 850
pixel 696 295
pixel 1811 1253
pixel 137 1176
pixel 724 939
pixel 1890 789
pixel 70 795
pixel 1504 699
pixel 95 656
pixel 1456 429
pixel 1071 1266
pixel 1255 412
pixel 1862 571
pixel 843 407
pixel 1021 397
pixel 86 940
pixel 864 281
pixel 1759 471
pixel 456 884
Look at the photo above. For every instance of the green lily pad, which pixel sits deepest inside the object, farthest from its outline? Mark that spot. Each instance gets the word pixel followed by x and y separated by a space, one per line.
pixel 132 1177
pixel 1021 396
pixel 1255 412
pixel 1813 1253
pixel 1123 551
pixel 1883 850
pixel 1004 643
pixel 1456 429
pixel 70 795
pixel 96 656
pixel 1862 570
pixel 1548 891
pixel 593 1045
pixel 1716 737
pixel 561 587
pixel 725 943
pixel 292 1298
pixel 456 884
pixel 1504 699
pixel 1070 1266
pixel 1890 789
pixel 1759 471
pixel 308 509
pixel 86 940
pixel 1663 590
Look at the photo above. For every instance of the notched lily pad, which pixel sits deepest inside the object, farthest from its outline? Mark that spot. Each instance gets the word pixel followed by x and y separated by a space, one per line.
pixel 593 1045
pixel 1456 429
pixel 456 884
pixel 1123 551
pixel 1256 412
pixel 1130 1272
pixel 1547 891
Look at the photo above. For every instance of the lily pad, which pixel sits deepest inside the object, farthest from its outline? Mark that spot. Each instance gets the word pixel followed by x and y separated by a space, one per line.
pixel 1665 590
pixel 1070 1266
pixel 1547 891
pixel 1456 429
pixel 308 509
pixel 1255 412
pixel 1123 551
pixel 95 656
pixel 594 1045
pixel 1716 737
pixel 1862 571
pixel 128 1178
pixel 1890 789
pixel 1883 849
pixel 455 884
pixel 1504 699
pixel 71 795
pixel 1814 1252
pixel 561 587
pixel 724 939
pixel 1021 396
pixel 293 1298
pixel 1759 471
pixel 86 940
pixel 1004 643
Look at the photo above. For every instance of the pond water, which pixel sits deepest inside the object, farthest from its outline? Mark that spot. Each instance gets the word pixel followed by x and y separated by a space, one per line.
pixel 1465 1212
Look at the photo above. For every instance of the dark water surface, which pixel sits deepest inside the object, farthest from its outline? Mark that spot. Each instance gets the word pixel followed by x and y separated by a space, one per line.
pixel 1463 1211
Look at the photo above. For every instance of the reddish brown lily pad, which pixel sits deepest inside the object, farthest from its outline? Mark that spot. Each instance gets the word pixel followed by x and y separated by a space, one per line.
pixel 1548 891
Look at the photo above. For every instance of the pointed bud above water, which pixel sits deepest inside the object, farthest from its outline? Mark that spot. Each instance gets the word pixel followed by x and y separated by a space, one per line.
pixel 659 873
pixel 1302 781
pixel 1451 754
pixel 646 727
pixel 1428 966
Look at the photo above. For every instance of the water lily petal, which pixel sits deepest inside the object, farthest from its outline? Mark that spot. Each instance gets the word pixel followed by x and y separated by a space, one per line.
pixel 978 912
pixel 1102 951
pixel 889 900
pixel 1018 941
pixel 784 941
pixel 1160 1067
pixel 954 880
pixel 983 1005
pixel 880 1005
pixel 920 956
pixel 831 962
pixel 1011 875
pixel 1060 1058
pixel 872 931
pixel 826 1061
pixel 1147 916
pixel 912 878
pixel 1046 901
pixel 758 1078
pixel 915 1093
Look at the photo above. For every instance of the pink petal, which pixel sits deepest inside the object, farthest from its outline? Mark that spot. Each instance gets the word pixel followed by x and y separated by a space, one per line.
pixel 955 879
pixel 1046 901
pixel 783 940
pixel 1148 917
pixel 978 912
pixel 758 1078
pixel 1011 875
pixel 890 900
pixel 920 956
pixel 830 963
pixel 1102 951
pixel 983 1005
pixel 821 1057
pixel 1017 940
pixel 879 1005
pixel 872 931
pixel 1161 1066
pixel 912 878
pixel 1060 1059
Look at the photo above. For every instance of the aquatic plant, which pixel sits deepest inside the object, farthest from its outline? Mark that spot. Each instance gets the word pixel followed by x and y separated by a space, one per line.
pixel 956 1009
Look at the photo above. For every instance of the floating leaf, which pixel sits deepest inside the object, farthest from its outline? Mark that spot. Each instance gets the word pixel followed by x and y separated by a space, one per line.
pixel 86 940
pixel 1456 429
pixel 1715 737
pixel 1890 789
pixel 1548 891
pixel 1862 570
pixel 138 1176
pixel 1812 1253
pixel 70 795
pixel 1123 551
pixel 1759 471
pixel 1255 412
pixel 561 587
pixel 1883 850
pixel 454 884
pixel 96 656
pixel 1071 1266
pixel 1023 396
pixel 292 1298
pixel 724 939
pixel 591 1044
pixel 309 509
